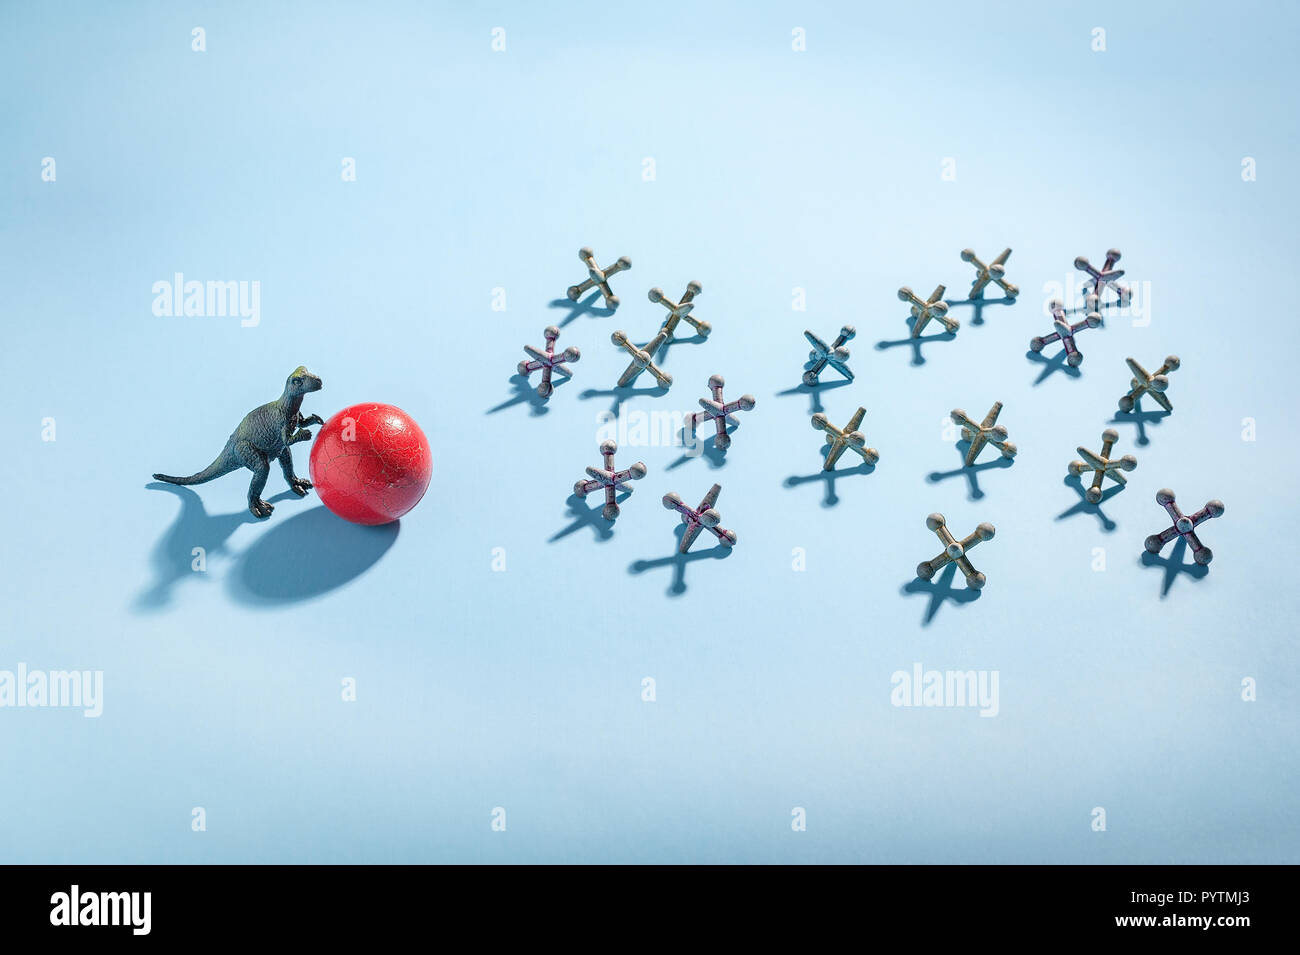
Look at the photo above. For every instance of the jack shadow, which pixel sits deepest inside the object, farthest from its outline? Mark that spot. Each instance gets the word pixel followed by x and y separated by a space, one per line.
pixel 1174 565
pixel 1141 419
pixel 579 308
pixel 1084 506
pixel 621 395
pixel 970 473
pixel 678 562
pixel 917 357
pixel 586 515
pixel 978 305
pixel 814 391
pixel 526 391
pixel 830 497
pixel 661 354
pixel 1052 365
pixel 707 447
pixel 709 451
pixel 940 589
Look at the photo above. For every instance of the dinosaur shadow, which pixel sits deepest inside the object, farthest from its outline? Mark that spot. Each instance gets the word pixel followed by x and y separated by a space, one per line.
pixel 978 305
pixel 586 306
pixel 940 589
pixel 829 478
pixel 1052 365
pixel 916 343
pixel 173 555
pixel 678 561
pixel 1084 506
pixel 814 391
pixel 1174 565
pixel 306 556
pixel 526 391
pixel 585 515
pixel 970 473
pixel 620 395
pixel 1141 419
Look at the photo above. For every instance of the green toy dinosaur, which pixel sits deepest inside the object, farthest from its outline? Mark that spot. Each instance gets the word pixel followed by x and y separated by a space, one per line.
pixel 265 434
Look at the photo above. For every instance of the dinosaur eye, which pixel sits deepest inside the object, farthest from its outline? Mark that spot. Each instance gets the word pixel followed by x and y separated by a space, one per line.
pixel 297 381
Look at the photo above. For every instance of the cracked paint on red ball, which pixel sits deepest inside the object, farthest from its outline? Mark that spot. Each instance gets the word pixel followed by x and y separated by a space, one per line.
pixel 370 463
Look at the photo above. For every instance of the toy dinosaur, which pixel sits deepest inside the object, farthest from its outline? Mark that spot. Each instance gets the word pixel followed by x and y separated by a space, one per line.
pixel 265 434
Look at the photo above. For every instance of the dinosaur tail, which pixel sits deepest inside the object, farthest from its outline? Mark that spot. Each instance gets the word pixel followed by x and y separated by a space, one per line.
pixel 222 465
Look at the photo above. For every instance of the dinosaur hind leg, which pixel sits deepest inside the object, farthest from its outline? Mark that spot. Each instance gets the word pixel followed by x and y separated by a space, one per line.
pixel 299 486
pixel 256 462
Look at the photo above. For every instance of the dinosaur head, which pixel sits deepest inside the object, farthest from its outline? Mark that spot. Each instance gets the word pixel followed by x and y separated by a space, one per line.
pixel 301 382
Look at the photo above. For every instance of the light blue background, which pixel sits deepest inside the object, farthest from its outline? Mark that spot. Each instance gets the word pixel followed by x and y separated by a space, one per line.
pixel 775 169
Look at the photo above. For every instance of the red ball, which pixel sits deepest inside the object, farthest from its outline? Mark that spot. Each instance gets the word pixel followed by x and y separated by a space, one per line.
pixel 371 463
